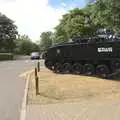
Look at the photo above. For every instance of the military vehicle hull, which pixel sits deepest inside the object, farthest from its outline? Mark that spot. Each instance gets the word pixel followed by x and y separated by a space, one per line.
pixel 94 58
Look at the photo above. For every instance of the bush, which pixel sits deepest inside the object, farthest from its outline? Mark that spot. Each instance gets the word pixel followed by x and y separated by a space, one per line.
pixel 6 56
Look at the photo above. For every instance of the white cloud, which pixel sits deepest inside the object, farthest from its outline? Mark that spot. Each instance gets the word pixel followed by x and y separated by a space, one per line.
pixel 63 4
pixel 31 16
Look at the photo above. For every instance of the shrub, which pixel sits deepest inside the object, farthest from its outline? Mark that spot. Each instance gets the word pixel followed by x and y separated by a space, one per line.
pixel 6 56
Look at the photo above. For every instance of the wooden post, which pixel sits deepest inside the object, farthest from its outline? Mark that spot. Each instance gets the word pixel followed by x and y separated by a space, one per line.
pixel 38 66
pixel 37 85
pixel 36 82
pixel 35 72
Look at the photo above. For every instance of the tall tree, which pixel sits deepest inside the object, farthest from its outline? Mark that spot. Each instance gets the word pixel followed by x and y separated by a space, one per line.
pixel 46 39
pixel 106 13
pixel 24 45
pixel 8 33
pixel 76 23
pixel 60 34
pixel 87 21
pixel 79 24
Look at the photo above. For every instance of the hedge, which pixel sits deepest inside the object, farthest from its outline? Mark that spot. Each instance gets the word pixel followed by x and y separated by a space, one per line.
pixel 6 56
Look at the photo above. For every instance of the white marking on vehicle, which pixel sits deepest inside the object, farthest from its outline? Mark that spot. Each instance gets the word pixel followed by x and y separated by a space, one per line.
pixel 103 49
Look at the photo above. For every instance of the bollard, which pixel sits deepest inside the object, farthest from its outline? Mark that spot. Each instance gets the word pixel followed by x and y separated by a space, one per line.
pixel 36 82
pixel 38 66
pixel 35 72
pixel 37 85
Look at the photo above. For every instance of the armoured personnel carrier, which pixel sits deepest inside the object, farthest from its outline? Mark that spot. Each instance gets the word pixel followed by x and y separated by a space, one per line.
pixel 99 56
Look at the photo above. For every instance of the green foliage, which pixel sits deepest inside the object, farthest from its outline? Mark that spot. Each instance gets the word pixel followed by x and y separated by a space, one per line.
pixel 87 21
pixel 106 14
pixel 46 40
pixel 76 23
pixel 59 39
pixel 25 46
pixel 6 56
pixel 8 33
pixel 60 34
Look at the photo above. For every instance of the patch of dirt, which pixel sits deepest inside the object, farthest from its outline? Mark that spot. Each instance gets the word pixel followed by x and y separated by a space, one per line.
pixel 59 88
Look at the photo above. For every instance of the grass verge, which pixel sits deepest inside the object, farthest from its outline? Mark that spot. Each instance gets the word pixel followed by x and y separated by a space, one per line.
pixel 55 88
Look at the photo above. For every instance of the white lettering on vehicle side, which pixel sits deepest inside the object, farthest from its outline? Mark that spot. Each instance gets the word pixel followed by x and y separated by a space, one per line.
pixel 102 49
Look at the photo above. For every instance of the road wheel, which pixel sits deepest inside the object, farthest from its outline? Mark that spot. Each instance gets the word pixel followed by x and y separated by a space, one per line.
pixel 102 70
pixel 57 67
pixel 49 65
pixel 77 68
pixel 66 68
pixel 115 65
pixel 88 69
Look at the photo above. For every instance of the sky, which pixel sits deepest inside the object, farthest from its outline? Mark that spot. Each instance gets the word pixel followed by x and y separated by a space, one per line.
pixel 33 17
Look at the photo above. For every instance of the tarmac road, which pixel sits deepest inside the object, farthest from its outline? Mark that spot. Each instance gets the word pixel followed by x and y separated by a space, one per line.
pixel 12 88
